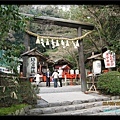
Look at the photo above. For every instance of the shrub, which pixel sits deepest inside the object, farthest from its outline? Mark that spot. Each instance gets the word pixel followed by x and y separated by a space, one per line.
pixel 109 83
pixel 15 90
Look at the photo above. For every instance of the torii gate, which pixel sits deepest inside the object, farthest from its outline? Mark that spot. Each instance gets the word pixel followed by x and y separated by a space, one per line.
pixel 65 23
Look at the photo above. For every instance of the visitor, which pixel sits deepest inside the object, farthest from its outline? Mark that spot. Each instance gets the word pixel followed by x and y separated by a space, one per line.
pixel 60 71
pixel 48 76
pixel 55 78
pixel 37 79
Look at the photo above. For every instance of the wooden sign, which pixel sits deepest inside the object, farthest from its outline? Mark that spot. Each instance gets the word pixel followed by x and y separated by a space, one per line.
pixel 109 59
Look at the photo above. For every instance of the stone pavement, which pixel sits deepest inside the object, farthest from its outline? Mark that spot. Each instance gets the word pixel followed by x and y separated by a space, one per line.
pixel 70 100
pixel 66 93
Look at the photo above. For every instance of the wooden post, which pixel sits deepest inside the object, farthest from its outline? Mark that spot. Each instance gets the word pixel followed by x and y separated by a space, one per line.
pixel 27 47
pixel 71 81
pixel 81 63
pixel 65 81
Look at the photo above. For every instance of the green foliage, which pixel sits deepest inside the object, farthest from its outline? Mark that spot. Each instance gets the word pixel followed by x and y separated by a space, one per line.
pixel 109 83
pixel 13 108
pixel 14 90
pixel 10 19
pixel 11 55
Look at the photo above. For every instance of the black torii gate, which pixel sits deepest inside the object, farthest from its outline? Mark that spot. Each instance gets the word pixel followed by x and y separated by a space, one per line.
pixel 65 23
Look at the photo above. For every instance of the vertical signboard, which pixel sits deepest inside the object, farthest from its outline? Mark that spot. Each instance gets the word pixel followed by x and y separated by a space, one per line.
pixel 109 59
pixel 32 66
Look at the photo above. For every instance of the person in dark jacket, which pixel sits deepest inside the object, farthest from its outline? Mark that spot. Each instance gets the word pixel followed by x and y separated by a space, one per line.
pixel 48 76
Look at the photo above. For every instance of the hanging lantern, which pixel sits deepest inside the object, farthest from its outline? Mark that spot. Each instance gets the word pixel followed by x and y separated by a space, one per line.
pixel 47 42
pixel 37 41
pixel 77 43
pixel 57 43
pixel 67 43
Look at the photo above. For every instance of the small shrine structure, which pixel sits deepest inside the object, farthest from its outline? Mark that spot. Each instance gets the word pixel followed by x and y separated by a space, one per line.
pixel 36 62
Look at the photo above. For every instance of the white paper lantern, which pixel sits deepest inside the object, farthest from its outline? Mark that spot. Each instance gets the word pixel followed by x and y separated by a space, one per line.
pixel 71 71
pixel 77 71
pixel 97 67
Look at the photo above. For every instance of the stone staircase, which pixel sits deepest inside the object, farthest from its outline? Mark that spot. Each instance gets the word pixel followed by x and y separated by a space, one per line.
pixel 75 108
pixel 92 106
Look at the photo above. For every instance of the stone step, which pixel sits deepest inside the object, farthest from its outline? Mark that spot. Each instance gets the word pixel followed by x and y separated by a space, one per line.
pixel 75 109
pixel 98 110
pixel 108 112
pixel 45 107
pixel 43 104
pixel 62 108
pixel 62 101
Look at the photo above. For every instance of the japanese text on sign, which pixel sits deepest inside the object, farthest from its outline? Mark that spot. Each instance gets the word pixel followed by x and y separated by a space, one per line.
pixel 32 65
pixel 109 59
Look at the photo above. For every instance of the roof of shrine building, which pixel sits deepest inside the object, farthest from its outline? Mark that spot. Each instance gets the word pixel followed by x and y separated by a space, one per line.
pixel 63 61
pixel 35 52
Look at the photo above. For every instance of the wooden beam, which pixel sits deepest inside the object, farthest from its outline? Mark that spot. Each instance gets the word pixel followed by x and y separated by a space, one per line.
pixel 60 22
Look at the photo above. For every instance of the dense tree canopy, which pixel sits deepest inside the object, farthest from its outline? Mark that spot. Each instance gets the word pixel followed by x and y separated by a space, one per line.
pixel 11 22
pixel 105 18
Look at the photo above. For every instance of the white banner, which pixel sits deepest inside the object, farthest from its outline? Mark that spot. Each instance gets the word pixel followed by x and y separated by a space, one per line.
pixel 109 59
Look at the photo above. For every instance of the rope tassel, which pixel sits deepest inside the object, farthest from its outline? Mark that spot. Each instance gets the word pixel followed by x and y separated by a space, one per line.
pixel 37 41
pixel 67 43
pixel 13 95
pixel 47 42
pixel 57 43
